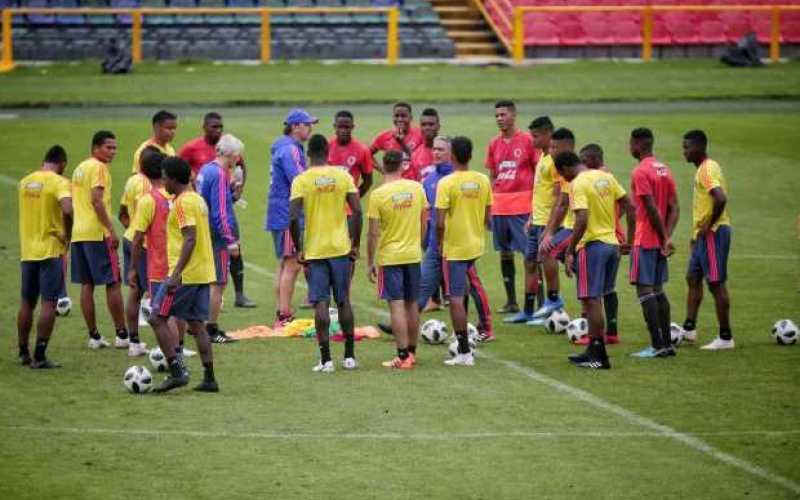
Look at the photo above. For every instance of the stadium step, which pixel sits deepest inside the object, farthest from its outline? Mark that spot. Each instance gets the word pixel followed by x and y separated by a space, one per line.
pixel 467 29
pixel 457 12
pixel 476 49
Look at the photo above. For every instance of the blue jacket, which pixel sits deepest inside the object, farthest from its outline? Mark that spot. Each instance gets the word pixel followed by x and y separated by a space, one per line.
pixel 288 161
pixel 214 186
pixel 429 184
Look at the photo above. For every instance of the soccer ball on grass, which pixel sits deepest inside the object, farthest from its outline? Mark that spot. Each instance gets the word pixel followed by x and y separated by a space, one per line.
pixel 157 359
pixel 63 306
pixel 137 380
pixel 785 332
pixel 557 321
pixel 676 334
pixel 577 329
pixel 434 331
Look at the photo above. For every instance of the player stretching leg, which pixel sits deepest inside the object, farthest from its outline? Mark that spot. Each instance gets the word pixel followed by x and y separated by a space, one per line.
pixel 711 241
pixel 327 245
pixel 397 221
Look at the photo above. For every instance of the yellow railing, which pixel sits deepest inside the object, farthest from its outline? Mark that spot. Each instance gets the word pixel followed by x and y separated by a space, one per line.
pixel 516 25
pixel 137 16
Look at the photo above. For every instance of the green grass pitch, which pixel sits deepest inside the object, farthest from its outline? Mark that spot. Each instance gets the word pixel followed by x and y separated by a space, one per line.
pixel 521 424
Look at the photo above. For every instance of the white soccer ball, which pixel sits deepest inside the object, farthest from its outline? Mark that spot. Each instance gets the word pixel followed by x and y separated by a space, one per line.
pixel 785 332
pixel 577 329
pixel 63 306
pixel 557 321
pixel 333 314
pixel 434 331
pixel 472 333
pixel 676 334
pixel 137 380
pixel 453 347
pixel 145 311
pixel 157 359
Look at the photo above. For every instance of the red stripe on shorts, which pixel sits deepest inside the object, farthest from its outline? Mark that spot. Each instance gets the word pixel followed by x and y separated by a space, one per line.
pixel 583 279
pixel 112 256
pixel 713 270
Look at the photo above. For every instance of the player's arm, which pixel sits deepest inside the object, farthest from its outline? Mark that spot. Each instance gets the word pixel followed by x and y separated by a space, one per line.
pixel 719 201
pixel 578 230
pixel 654 217
pixel 557 214
pixel 66 215
pixel 123 216
pixel 136 255
pixel 441 215
pixel 373 233
pixel 105 218
pixel 366 183
pixel 355 228
pixel 295 210
pixel 424 216
pixel 189 234
pixel 487 217
pixel 626 207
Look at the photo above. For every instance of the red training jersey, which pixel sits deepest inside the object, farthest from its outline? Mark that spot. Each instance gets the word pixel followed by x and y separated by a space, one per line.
pixel 512 164
pixel 621 236
pixel 385 141
pixel 353 157
pixel 156 239
pixel 422 161
pixel 653 178
pixel 197 153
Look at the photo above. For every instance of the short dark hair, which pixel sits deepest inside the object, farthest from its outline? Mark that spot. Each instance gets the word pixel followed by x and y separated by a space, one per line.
pixel 697 137
pixel 163 116
pixel 541 122
pixel 343 114
pixel 430 112
pixel 566 159
pixel 287 129
pixel 392 161
pixel 402 104
pixel 642 133
pixel 594 149
pixel 318 146
pixel 461 148
pixel 101 136
pixel 56 154
pixel 563 134
pixel 150 162
pixel 177 169
pixel 213 115
pixel 505 103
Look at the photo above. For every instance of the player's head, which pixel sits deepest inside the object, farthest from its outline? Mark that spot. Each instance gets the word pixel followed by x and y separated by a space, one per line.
pixel 299 124
pixel 441 150
pixel 641 143
pixel 592 156
pixel 212 127
pixel 165 124
pixel 461 148
pixel 150 163
pixel 177 174
pixel 505 114
pixel 392 161
pixel 104 146
pixel 562 140
pixel 318 149
pixel 343 125
pixel 429 123
pixel 541 131
pixel 567 164
pixel 57 157
pixel 401 115
pixel 229 149
pixel 695 144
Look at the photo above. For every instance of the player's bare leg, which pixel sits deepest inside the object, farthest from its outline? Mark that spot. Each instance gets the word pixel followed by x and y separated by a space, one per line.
pixel 412 321
pixel 288 277
pixel 198 331
pixel 322 324
pixel 595 355
pixel 168 341
pixel 117 310
pixel 132 305
pixel 24 326
pixel 458 316
pixel 44 329
pixel 694 297
pixel 400 327
pixel 347 322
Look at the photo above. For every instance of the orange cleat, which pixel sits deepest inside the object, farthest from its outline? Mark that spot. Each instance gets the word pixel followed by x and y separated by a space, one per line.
pixel 612 339
pixel 400 364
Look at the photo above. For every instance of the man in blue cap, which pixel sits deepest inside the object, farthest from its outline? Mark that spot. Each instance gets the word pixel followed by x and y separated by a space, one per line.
pixel 288 161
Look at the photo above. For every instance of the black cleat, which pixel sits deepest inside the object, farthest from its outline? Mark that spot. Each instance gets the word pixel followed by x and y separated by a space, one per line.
pixel 44 365
pixel 589 361
pixel 508 309
pixel 219 337
pixel 243 301
pixel 171 382
pixel 667 352
pixel 25 359
pixel 387 329
pixel 207 386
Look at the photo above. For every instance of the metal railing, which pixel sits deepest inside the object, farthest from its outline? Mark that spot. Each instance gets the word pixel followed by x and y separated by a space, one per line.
pixel 137 16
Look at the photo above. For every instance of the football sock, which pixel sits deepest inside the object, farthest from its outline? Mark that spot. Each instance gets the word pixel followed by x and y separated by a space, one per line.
pixel 324 352
pixel 94 334
pixel 552 295
pixel 134 336
pixel 664 318
pixel 725 333
pixel 597 348
pixel 507 270
pixel 208 371
pixel 611 306
pixel 530 301
pixel 237 273
pixel 122 333
pixel 689 325
pixel 176 368
pixel 402 353
pixel 211 328
pixel 649 304
pixel 24 351
pixel 349 346
pixel 463 342
pixel 412 349
pixel 41 347
pixel 532 290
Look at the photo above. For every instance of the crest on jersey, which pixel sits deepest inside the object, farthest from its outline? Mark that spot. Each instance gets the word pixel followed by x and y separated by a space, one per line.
pixel 351 160
pixel 517 153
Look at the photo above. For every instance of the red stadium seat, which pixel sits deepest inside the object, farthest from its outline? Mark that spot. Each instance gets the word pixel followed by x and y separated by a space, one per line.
pixel 683 33
pixel 624 17
pixel 541 33
pixel 661 35
pixel 599 33
pixel 627 33
pixel 712 32
pixel 762 25
pixel 571 34
pixel 587 18
pixel 737 29
pixel 790 32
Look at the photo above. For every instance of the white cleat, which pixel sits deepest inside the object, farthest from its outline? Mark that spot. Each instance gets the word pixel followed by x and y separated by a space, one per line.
pixel 137 349
pixel 349 363
pixel 719 344
pixel 121 343
pixel 461 360
pixel 326 367
pixel 690 336
pixel 98 343
pixel 187 353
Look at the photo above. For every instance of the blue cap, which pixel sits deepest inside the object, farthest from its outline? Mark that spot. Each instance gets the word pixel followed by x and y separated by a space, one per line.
pixel 298 115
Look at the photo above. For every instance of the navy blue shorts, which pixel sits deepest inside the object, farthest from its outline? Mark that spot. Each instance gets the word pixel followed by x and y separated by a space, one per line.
pixel 327 274
pixel 534 238
pixel 94 262
pixel 42 278
pixel 561 240
pixel 399 282
pixel 596 269
pixel 456 277
pixel 127 262
pixel 508 233
pixel 283 244
pixel 222 263
pixel 710 255
pixel 189 302
pixel 648 267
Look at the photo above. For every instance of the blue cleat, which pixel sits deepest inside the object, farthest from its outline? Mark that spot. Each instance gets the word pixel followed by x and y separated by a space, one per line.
pixel 520 317
pixel 548 308
pixel 536 321
pixel 652 353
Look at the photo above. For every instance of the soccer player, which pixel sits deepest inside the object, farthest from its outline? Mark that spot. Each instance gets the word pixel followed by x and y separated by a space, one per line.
pixel 346 152
pixel 201 150
pixel 165 124
pixel 511 162
pixel 463 213
pixel 422 157
pixel 184 294
pixel 397 221
pixel 136 187
pixel 288 161
pixel 404 137
pixel 593 252
pixel 711 241
pixel 45 223
pixel 327 245
pixel 93 257
pixel 654 196
pixel 213 184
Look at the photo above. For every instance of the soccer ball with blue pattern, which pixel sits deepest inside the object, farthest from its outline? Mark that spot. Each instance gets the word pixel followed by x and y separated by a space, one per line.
pixel 785 332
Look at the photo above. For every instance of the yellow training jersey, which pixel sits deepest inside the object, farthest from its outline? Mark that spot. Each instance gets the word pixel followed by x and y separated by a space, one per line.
pixel 465 196
pixel 708 176
pixel 90 174
pixel 41 226
pixel 398 205
pixel 189 209
pixel 569 217
pixel 543 198
pixel 324 192
pixel 136 186
pixel 168 150
pixel 597 192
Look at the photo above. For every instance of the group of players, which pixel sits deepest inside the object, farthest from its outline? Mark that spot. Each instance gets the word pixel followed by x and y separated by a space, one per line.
pixel 426 230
